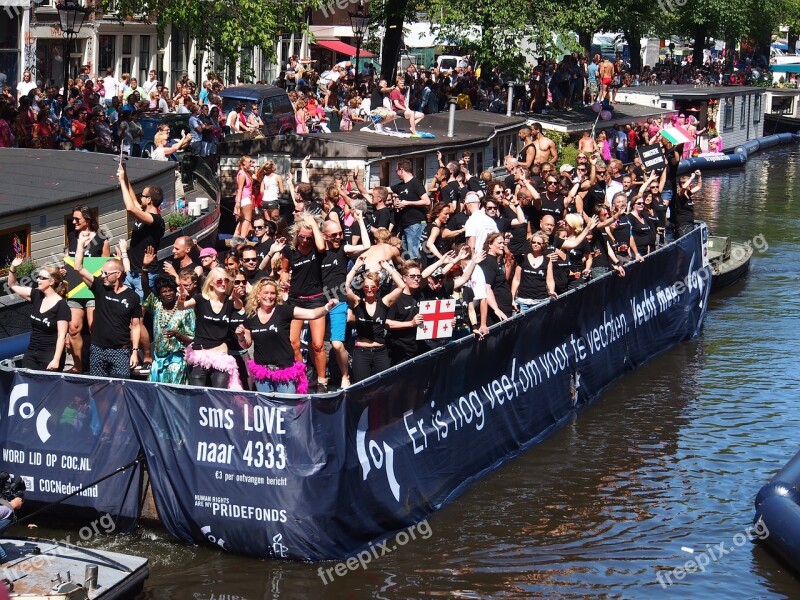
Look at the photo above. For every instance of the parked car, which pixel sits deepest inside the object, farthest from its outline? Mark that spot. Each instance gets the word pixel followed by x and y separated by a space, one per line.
pixel 274 106
pixel 178 127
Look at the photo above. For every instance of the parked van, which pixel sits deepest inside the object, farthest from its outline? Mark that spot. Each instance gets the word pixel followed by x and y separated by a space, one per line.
pixel 449 62
pixel 274 106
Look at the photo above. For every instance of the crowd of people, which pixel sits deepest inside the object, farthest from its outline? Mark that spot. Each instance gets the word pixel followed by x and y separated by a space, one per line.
pixel 102 113
pixel 352 265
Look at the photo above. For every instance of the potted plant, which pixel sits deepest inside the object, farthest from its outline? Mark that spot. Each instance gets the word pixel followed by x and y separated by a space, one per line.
pixel 176 220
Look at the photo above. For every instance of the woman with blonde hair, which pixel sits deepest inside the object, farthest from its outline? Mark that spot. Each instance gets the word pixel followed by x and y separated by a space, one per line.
pixel 50 317
pixel 271 182
pixel 243 205
pixel 267 328
pixel 577 249
pixel 300 117
pixel 210 365
pixel 301 271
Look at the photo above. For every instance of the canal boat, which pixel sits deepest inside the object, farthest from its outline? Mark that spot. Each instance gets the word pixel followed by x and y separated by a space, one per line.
pixel 730 261
pixel 38 569
pixel 331 476
pixel 778 513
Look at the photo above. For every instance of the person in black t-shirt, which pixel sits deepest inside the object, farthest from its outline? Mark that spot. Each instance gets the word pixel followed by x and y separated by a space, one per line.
pixel 182 251
pixel 413 202
pixel 148 229
pixel 115 345
pixel 210 365
pixel 267 328
pixel 498 305
pixel 403 317
pixel 302 269
pixel 683 203
pixel 50 317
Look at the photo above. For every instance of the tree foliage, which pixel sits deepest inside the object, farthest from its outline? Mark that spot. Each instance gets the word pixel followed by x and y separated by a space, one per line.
pixel 220 26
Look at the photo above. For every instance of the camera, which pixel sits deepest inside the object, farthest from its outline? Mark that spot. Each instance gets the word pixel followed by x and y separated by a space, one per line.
pixel 11 488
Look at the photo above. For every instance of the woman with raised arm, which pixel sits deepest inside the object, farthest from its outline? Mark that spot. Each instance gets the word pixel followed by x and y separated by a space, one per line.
pixel 368 313
pixel 50 317
pixel 267 328
pixel 533 282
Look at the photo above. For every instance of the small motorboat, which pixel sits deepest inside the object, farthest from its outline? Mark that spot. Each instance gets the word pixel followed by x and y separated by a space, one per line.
pixel 730 261
pixel 48 570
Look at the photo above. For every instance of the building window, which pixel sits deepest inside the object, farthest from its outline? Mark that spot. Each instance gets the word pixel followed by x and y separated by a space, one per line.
pixel 107 53
pixel 757 108
pixel 180 54
pixel 743 114
pixel 246 70
pixel 144 58
pixel 727 123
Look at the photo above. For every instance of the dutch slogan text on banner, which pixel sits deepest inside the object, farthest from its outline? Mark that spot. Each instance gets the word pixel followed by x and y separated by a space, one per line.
pixel 437 319
pixel 652 157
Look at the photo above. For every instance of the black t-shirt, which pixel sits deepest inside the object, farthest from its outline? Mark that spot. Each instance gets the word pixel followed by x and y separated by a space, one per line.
pixel 621 232
pixel 144 235
pixel 561 268
pixel 510 182
pixel 445 291
pixel 553 207
pixel 371 328
pixel 575 256
pixel 599 247
pixel 640 232
pixel 306 272
pixel 412 191
pixel 594 197
pixel 381 218
pixel 450 193
pixel 682 209
pixel 211 328
pixel 257 275
pixel 533 280
pixel 334 273
pixel 456 222
pixel 405 309
pixel 44 326
pixel 178 268
pixel 271 345
pixel 95 247
pixel 232 341
pixel 263 248
pixel 503 223
pixel 113 315
pixel 494 271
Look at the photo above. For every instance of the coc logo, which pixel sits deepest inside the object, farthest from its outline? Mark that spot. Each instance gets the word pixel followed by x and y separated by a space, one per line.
pixel 27 410
pixel 371 454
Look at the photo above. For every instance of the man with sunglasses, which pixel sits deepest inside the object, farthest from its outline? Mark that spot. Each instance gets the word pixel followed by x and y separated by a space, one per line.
pixel 334 274
pixel 115 345
pixel 250 264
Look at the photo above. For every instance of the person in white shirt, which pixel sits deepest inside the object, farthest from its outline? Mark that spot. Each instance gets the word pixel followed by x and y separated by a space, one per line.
pixel 26 85
pixel 110 85
pixel 479 224
pixel 150 84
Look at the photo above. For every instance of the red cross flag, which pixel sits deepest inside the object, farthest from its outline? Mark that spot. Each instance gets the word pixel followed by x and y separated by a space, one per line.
pixel 437 318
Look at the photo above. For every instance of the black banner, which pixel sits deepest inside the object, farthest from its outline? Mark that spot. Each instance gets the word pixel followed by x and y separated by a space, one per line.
pixel 323 478
pixel 61 433
pixel 652 157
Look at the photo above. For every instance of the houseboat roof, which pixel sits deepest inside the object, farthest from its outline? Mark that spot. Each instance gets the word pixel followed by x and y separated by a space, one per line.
pixel 693 92
pixel 583 119
pixel 33 179
pixel 471 127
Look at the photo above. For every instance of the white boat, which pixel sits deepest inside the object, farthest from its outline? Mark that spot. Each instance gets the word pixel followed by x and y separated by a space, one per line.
pixel 39 569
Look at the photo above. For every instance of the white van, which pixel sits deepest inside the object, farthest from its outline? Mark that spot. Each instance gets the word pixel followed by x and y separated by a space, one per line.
pixel 449 62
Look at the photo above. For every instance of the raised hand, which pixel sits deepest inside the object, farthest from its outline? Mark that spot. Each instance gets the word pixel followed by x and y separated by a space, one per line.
pixel 149 256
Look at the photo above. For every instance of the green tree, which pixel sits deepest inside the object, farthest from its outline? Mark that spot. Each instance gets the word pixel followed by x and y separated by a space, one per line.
pixel 220 26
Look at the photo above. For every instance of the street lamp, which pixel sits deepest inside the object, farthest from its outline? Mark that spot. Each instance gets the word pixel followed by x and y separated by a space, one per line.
pixel 359 21
pixel 71 16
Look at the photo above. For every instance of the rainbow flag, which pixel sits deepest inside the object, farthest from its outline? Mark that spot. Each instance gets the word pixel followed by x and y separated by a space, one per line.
pixel 676 135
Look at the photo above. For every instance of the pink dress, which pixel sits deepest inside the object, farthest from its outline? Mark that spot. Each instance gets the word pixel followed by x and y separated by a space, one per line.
pixel 300 121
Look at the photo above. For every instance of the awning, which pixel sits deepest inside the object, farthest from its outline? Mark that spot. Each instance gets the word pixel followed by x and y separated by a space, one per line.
pixel 15 3
pixel 342 48
pixel 791 68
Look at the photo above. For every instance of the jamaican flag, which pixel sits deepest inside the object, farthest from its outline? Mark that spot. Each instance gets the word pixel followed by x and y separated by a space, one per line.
pixel 77 288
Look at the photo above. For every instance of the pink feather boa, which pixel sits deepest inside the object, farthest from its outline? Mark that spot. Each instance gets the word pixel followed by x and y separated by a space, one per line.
pixel 295 373
pixel 219 361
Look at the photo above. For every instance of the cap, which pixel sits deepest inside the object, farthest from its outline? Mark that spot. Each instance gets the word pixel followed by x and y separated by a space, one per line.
pixel 207 252
pixel 471 198
pixel 565 168
pixel 437 273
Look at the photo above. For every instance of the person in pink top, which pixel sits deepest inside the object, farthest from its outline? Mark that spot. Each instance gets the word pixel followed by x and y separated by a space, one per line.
pixel 398 99
pixel 243 206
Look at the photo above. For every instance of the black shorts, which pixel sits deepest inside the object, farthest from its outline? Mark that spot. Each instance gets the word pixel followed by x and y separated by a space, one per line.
pixel 315 302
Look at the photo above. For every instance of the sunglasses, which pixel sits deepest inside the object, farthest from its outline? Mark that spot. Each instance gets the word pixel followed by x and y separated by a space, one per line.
pixel 552 183
pixel 43 277
pixel 76 219
pixel 415 276
pixel 108 273
pixel 254 259
pixel 257 227
pixel 239 282
pixel 304 238
pixel 601 172
pixel 638 203
pixel 537 244
pixel 491 208
pixel 370 288
pixel 335 236
pixel 221 280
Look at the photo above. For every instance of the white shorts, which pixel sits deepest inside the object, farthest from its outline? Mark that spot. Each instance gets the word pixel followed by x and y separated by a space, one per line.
pixel 245 202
